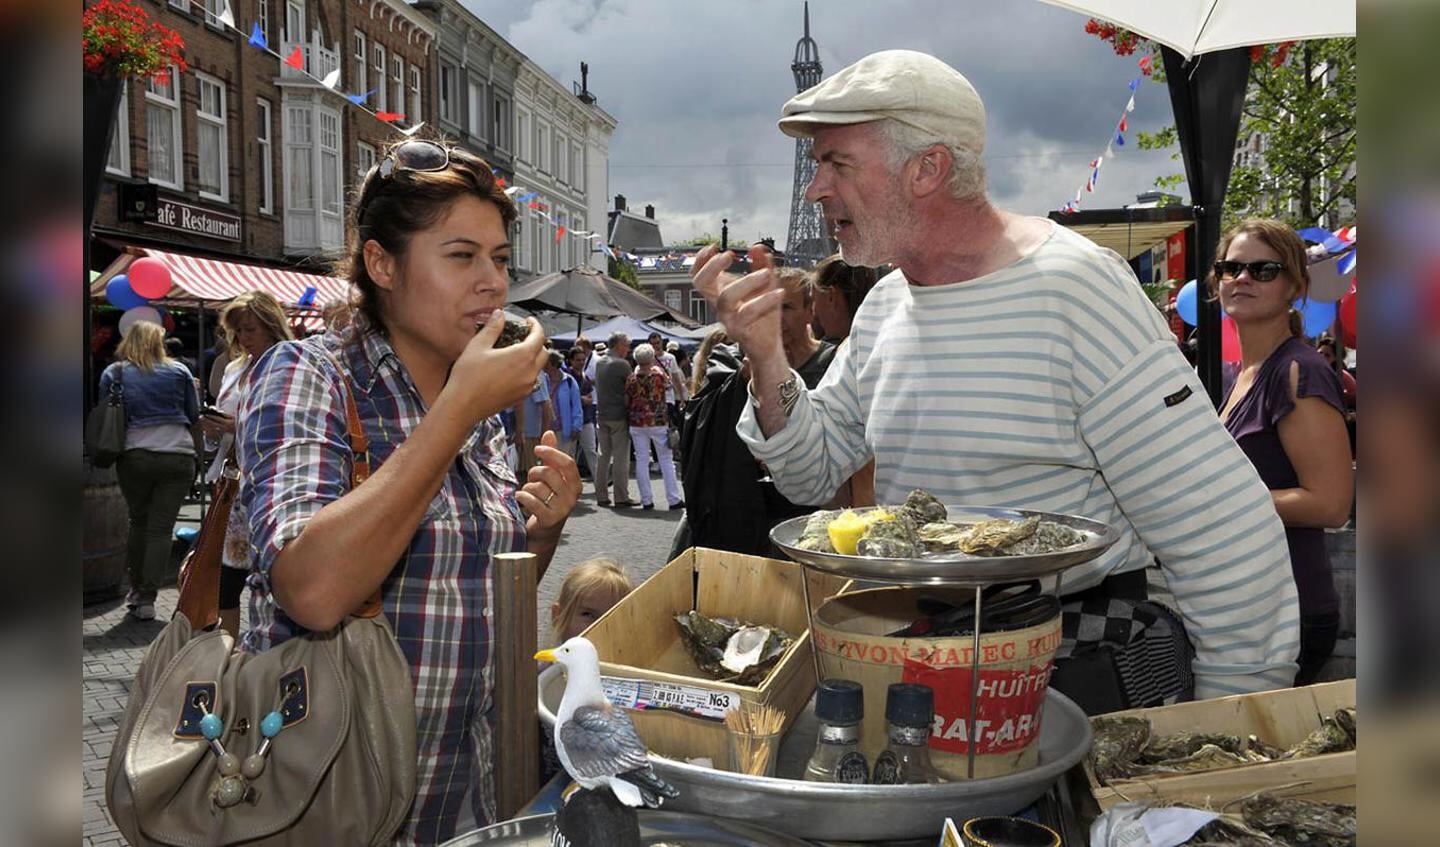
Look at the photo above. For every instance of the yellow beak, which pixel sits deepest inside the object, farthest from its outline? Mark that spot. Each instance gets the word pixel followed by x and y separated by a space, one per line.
pixel 545 656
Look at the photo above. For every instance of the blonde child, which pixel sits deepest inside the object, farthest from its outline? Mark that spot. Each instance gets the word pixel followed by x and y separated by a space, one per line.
pixel 588 592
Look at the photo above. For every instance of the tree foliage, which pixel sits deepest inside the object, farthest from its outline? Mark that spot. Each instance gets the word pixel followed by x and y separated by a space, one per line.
pixel 623 271
pixel 1302 101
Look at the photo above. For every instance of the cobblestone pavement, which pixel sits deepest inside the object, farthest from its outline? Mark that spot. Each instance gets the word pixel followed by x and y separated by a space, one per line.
pixel 114 644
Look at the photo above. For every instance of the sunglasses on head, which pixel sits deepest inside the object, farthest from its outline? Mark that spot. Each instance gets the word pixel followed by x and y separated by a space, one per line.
pixel 416 155
pixel 1259 271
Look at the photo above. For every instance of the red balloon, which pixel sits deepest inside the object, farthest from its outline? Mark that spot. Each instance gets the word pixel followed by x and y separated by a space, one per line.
pixel 150 278
pixel 1349 326
pixel 1229 340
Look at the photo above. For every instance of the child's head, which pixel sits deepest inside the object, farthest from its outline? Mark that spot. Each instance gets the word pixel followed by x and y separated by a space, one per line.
pixel 587 593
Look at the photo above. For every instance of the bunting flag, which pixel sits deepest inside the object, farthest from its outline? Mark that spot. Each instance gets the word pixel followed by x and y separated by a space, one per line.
pixel 559 233
pixel 1122 126
pixel 389 117
pixel 257 37
pixel 225 17
pixel 359 99
pixel 331 79
pixel 296 59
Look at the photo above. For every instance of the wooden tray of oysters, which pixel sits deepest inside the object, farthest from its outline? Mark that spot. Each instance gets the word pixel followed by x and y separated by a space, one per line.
pixel 924 541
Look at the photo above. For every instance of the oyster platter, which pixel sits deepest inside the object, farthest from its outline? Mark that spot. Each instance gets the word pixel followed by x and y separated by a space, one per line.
pixel 925 541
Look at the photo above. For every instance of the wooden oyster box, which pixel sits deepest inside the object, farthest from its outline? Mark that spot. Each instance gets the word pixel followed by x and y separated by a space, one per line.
pixel 1282 718
pixel 644 662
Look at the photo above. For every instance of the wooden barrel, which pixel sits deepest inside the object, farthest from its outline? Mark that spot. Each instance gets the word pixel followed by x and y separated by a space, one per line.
pixel 105 529
pixel 1015 669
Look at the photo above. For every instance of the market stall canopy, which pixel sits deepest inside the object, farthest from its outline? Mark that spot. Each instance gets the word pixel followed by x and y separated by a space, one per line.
pixel 591 293
pixel 1128 232
pixel 1193 27
pixel 212 281
pixel 637 330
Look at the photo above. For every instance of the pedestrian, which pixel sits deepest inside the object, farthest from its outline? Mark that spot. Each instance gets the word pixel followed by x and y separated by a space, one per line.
pixel 839 291
pixel 1286 411
pixel 158 463
pixel 650 427
pixel 590 589
pixel 612 419
pixel 578 361
pixel 1007 359
pixel 428 253
pixel 539 417
pixel 250 324
pixel 675 389
pixel 565 400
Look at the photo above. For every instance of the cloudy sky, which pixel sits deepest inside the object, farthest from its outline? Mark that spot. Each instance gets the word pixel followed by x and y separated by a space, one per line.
pixel 697 87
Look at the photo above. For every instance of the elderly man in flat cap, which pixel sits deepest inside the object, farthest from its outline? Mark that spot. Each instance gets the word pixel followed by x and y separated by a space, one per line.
pixel 1009 361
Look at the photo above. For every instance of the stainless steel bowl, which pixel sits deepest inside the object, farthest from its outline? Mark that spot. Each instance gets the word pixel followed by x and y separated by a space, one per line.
pixel 960 569
pixel 848 813
pixel 656 827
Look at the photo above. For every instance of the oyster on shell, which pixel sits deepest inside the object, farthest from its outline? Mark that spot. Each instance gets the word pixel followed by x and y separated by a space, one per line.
pixel 989 538
pixel 1296 821
pixel 1208 758
pixel 730 650
pixel 1168 747
pixel 891 539
pixel 1331 737
pixel 1117 745
pixel 922 507
pixel 817 533
pixel 940 536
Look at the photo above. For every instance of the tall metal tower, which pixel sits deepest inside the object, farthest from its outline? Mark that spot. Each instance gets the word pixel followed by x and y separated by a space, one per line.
pixel 808 241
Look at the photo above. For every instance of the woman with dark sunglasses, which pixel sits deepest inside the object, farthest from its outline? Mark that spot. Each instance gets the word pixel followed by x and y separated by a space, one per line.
pixel 428 255
pixel 1285 410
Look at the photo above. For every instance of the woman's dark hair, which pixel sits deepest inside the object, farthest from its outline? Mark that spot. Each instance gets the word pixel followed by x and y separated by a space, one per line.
pixel 853 282
pixel 1281 238
pixel 389 210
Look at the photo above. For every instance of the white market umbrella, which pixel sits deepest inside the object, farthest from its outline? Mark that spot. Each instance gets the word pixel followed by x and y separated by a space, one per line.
pixel 1192 27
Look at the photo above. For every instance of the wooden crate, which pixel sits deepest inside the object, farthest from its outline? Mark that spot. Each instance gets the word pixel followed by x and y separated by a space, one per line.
pixel 1282 718
pixel 638 639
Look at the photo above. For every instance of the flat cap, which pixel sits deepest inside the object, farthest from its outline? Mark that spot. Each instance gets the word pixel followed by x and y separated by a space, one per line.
pixel 913 88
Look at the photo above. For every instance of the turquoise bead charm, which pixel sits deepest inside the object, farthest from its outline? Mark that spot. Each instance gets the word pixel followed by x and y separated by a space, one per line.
pixel 211 727
pixel 270 725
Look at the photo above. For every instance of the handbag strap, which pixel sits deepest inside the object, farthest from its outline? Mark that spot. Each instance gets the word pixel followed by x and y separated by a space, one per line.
pixel 200 588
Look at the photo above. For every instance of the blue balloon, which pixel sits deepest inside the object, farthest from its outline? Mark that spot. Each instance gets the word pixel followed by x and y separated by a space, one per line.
pixel 1185 303
pixel 1318 316
pixel 121 295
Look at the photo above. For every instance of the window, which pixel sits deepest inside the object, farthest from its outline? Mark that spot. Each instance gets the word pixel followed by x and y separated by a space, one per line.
pixel 299 151
pixel 267 157
pixel 397 82
pixel 119 161
pixel 415 103
pixel 697 308
pixel 577 167
pixel 262 17
pixel 377 63
pixel 182 5
pixel 517 241
pixel 358 81
pixel 672 299
pixel 162 116
pixel 477 109
pixel 559 149
pixel 294 21
pixel 537 245
pixel 364 160
pixel 500 121
pixel 542 147
pixel 330 161
pixel 522 136
pixel 447 93
pixel 214 139
pixel 213 8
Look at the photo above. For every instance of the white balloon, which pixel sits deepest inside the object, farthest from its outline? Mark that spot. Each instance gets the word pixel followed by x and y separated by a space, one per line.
pixel 1327 284
pixel 137 314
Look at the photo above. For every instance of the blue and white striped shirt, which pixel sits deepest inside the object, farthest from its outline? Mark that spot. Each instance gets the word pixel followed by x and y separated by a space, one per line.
pixel 1053 384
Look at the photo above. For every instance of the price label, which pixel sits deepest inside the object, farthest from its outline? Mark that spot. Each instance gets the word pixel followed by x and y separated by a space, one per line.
pixel 687 700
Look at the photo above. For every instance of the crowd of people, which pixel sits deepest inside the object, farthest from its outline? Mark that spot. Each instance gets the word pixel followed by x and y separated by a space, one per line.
pixel 1001 359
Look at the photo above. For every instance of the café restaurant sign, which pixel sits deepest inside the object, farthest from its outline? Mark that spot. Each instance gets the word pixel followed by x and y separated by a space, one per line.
pixel 195 220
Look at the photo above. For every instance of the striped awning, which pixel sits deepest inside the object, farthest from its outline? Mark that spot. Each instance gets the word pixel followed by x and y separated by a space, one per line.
pixel 213 281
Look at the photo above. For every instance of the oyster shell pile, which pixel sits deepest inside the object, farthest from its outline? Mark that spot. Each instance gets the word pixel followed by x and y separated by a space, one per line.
pixel 1266 820
pixel 731 650
pixel 921 526
pixel 1126 747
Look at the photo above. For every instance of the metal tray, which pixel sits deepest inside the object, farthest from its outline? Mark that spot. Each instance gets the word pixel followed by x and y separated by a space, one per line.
pixel 857 813
pixel 961 569
pixel 656 827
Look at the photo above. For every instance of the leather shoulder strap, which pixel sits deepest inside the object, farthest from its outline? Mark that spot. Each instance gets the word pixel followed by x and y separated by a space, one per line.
pixel 359 471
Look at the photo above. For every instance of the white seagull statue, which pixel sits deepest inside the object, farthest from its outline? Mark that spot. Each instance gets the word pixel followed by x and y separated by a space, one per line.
pixel 596 742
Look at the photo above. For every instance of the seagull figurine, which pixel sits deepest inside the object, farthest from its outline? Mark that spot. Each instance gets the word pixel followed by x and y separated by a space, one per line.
pixel 595 741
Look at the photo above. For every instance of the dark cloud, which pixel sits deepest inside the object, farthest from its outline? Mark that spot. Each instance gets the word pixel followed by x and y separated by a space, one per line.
pixel 697 87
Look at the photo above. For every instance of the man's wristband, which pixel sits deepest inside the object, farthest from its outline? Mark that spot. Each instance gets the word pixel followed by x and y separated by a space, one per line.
pixel 788 391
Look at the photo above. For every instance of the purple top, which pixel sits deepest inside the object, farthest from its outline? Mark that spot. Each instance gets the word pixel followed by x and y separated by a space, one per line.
pixel 1252 424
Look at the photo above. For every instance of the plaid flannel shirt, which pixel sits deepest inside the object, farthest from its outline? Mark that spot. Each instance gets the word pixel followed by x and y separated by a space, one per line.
pixel 295 458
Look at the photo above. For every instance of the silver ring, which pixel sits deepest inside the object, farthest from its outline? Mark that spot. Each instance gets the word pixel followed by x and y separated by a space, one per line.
pixel 551 497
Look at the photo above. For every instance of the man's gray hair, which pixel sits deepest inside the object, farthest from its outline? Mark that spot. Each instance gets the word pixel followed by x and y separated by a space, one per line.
pixel 903 142
pixel 645 355
pixel 618 339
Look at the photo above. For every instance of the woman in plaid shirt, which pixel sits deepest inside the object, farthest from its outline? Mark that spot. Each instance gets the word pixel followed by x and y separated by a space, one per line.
pixel 429 251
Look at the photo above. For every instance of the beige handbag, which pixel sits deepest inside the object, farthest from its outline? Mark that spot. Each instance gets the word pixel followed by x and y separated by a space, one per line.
pixel 314 739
